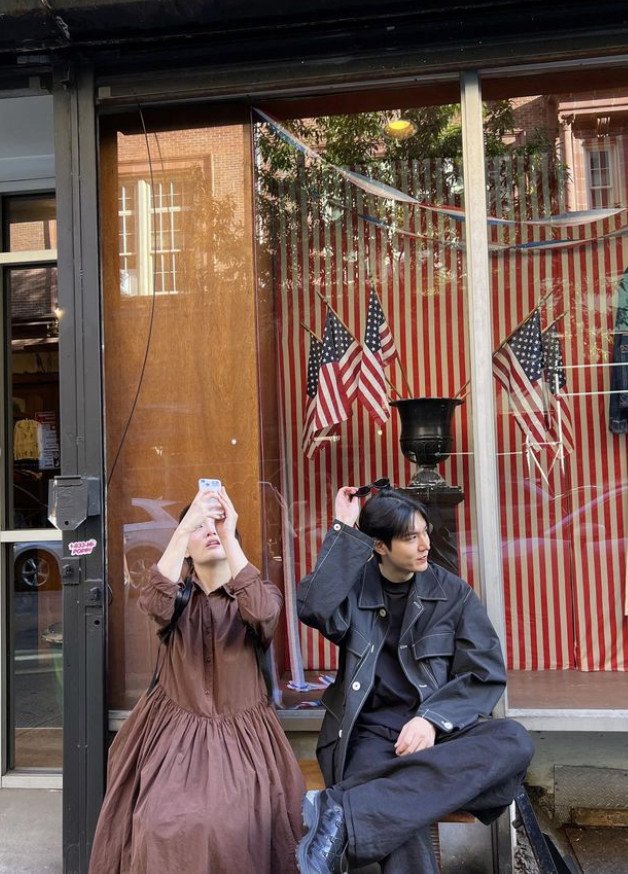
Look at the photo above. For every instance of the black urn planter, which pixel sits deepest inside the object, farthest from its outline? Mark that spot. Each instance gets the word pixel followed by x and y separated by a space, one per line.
pixel 426 440
pixel 426 437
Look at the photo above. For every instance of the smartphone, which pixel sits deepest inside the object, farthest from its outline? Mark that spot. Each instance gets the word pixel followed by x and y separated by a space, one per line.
pixel 209 485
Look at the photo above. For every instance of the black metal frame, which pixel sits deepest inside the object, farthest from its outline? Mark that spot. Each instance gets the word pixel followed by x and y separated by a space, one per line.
pixel 84 607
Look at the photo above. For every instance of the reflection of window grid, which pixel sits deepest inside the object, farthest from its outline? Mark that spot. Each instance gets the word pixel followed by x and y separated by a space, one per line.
pixel 166 235
pixel 600 169
pixel 150 236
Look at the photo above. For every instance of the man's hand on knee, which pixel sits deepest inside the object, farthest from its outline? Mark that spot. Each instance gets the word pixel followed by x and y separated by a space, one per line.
pixel 417 734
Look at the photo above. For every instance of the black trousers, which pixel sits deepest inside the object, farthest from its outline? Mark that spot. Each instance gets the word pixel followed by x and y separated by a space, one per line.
pixel 390 801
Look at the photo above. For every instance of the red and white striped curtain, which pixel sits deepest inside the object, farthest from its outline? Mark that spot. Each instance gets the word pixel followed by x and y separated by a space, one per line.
pixel 564 540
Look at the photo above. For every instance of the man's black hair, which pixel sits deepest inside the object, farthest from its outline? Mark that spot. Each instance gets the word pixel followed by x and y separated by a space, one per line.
pixel 389 514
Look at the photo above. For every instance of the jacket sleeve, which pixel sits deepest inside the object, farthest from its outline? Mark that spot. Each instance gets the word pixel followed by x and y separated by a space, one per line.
pixel 323 596
pixel 477 675
pixel 259 602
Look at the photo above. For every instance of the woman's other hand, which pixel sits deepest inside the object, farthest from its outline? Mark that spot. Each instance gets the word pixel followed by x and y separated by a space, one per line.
pixel 346 509
pixel 227 522
pixel 206 505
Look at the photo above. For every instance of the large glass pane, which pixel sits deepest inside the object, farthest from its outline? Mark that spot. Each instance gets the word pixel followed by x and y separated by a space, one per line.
pixel 180 362
pixel 36 667
pixel 32 440
pixel 31 223
pixel 34 379
pixel 559 254
pixel 360 257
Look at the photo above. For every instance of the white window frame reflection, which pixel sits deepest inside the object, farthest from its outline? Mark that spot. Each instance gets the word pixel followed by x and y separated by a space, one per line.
pixel 602 193
pixel 150 236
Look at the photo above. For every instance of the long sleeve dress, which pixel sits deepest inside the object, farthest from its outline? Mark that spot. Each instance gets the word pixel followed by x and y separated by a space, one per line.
pixel 201 777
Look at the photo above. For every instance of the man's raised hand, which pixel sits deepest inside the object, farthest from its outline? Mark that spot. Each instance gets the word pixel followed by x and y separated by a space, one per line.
pixel 345 509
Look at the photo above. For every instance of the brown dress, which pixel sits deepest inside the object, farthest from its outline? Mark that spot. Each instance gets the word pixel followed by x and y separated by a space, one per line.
pixel 201 778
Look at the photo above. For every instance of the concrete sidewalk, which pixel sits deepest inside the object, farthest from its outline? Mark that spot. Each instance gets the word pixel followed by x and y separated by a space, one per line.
pixel 30 831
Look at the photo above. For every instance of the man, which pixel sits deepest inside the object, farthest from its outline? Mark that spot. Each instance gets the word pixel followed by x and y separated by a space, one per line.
pixel 406 737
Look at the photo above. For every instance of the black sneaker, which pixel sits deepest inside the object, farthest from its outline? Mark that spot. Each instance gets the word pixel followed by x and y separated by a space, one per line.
pixel 323 849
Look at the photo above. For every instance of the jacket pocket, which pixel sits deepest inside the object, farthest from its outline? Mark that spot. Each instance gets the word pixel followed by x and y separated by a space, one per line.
pixel 434 652
pixel 356 642
pixel 439 644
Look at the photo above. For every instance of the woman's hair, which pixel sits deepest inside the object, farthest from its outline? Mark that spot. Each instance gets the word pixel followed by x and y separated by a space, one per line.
pixel 389 514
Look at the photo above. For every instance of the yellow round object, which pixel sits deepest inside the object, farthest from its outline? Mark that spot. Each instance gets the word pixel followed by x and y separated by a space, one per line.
pixel 401 128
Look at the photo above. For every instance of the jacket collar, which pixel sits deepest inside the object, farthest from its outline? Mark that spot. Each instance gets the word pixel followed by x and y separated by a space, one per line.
pixel 425 587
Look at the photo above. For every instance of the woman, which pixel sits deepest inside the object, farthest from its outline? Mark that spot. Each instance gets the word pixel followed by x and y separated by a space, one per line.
pixel 201 777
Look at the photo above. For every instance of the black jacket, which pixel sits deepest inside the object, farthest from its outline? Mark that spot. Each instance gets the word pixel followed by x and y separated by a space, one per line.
pixel 447 647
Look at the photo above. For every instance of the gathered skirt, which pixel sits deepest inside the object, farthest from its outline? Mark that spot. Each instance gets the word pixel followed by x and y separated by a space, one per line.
pixel 200 795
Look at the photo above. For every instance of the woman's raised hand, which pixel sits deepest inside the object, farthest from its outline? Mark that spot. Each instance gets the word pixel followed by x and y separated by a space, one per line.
pixel 206 505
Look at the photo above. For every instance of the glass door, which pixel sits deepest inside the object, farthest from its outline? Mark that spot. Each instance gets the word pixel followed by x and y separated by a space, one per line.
pixel 31 547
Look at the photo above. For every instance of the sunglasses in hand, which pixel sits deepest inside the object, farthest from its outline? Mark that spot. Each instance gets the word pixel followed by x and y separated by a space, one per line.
pixel 377 486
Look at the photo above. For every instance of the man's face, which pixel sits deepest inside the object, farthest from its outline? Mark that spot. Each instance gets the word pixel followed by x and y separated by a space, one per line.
pixel 407 554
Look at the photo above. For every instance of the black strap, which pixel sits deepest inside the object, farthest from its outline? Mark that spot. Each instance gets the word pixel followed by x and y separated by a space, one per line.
pixel 180 603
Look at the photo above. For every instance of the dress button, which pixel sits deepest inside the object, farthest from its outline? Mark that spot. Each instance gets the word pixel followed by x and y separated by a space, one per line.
pixel 336 527
pixel 355 686
pixel 340 733
pixel 382 612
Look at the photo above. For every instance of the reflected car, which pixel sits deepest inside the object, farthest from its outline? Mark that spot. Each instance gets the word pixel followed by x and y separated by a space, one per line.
pixel 37 564
pixel 587 519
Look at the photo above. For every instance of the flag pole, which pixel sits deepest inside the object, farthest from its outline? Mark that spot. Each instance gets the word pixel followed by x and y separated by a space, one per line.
pixel 403 373
pixel 310 332
pixel 330 307
pixel 514 331
pixel 557 319
pixel 392 387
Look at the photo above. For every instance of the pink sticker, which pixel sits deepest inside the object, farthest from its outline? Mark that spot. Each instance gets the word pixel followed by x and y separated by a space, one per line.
pixel 82 547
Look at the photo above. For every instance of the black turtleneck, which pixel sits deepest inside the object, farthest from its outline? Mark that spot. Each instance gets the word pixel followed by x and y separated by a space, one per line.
pixel 393 700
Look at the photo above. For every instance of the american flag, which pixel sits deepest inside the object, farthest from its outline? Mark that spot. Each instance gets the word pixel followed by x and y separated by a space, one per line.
pixel 518 365
pixel 338 374
pixel 378 351
pixel 560 425
pixel 308 443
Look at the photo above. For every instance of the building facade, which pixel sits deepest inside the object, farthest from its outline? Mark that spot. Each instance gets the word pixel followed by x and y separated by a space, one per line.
pixel 190 199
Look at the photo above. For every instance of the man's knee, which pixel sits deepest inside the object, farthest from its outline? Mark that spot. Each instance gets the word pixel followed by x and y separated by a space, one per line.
pixel 515 740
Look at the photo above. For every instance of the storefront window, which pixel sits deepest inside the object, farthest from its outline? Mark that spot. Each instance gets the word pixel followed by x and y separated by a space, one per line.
pixel 213 321
pixel 31 223
pixel 361 304
pixel 180 364
pixel 557 202
pixel 33 556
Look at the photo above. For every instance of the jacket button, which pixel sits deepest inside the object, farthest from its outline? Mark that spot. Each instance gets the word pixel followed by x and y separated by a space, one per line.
pixel 382 612
pixel 336 527
pixel 340 733
pixel 447 725
pixel 355 686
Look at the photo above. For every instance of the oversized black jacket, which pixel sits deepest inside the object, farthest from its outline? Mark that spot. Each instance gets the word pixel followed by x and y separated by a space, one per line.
pixel 448 648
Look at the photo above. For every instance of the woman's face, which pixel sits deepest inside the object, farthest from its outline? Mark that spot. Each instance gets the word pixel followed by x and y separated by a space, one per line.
pixel 204 546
